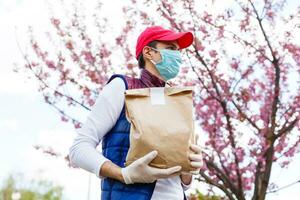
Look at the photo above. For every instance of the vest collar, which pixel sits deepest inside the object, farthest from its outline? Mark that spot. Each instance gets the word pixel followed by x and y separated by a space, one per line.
pixel 150 80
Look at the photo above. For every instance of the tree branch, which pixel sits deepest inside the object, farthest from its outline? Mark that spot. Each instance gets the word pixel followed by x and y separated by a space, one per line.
pixel 221 187
pixel 287 128
pixel 246 117
pixel 223 105
pixel 284 187
pixel 263 30
pixel 227 182
pixel 43 82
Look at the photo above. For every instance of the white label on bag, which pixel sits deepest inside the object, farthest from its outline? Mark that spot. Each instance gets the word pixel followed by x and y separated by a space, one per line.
pixel 157 96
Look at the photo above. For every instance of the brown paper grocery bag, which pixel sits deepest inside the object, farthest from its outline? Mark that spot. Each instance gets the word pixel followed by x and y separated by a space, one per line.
pixel 161 119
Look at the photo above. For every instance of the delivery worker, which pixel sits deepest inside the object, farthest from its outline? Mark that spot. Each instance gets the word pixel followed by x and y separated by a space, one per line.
pixel 159 59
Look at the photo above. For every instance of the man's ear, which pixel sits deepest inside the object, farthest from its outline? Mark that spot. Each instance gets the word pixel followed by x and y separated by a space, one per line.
pixel 147 52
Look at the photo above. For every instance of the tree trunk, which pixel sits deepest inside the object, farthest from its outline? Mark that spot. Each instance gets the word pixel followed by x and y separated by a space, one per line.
pixel 263 178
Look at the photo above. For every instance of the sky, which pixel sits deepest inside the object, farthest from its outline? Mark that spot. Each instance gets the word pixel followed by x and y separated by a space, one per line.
pixel 26 120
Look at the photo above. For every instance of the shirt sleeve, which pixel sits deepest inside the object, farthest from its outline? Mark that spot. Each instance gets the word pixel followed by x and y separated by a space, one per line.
pixel 103 116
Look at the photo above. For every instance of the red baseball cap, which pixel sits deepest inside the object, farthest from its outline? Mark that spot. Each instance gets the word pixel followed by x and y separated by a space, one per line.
pixel 184 39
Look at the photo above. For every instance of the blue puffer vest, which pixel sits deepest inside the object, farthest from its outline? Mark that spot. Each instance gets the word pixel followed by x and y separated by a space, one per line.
pixel 115 145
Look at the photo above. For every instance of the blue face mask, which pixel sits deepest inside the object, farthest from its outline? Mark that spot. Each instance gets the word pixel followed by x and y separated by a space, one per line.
pixel 170 63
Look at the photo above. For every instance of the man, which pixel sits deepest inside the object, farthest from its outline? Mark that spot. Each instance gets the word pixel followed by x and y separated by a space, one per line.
pixel 158 55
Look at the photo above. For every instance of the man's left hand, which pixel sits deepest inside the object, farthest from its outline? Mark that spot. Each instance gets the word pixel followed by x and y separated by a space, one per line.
pixel 196 158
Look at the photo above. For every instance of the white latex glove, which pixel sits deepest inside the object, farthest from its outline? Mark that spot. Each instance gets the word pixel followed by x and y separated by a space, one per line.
pixel 140 172
pixel 196 158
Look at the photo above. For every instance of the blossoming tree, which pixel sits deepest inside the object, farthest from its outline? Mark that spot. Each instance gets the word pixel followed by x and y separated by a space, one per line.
pixel 244 64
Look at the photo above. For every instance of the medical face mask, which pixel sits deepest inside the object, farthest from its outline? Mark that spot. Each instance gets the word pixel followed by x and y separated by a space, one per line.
pixel 169 65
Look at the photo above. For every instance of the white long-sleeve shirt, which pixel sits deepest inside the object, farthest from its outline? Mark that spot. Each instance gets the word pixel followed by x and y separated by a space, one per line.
pixel 103 116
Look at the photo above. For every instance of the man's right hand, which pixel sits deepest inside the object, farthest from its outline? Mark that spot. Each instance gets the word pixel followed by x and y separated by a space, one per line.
pixel 140 172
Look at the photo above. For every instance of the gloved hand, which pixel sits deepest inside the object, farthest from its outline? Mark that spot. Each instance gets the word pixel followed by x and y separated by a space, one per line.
pixel 140 172
pixel 196 159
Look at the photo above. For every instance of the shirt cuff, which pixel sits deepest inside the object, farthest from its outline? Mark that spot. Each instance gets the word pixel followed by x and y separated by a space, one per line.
pixel 97 170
